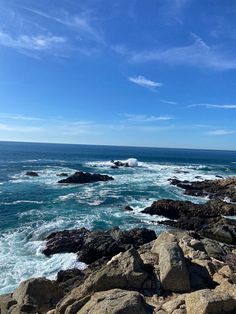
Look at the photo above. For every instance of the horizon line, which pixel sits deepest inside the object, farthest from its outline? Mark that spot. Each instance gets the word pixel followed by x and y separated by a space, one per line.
pixel 112 145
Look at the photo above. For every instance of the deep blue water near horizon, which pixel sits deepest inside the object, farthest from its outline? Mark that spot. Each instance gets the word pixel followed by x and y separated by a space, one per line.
pixel 31 208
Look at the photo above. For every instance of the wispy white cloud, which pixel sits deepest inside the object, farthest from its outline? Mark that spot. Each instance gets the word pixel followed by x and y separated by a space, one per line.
pixel 220 132
pixel 28 42
pixel 146 118
pixel 18 117
pixel 212 106
pixel 17 128
pixel 81 23
pixel 198 54
pixel 144 82
pixel 169 102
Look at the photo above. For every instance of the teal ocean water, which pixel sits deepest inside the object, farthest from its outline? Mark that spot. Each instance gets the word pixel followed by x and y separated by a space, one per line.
pixel 33 207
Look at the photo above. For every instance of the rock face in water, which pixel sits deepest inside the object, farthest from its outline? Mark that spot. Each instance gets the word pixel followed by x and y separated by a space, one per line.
pixel 223 188
pixel 80 177
pixel 204 218
pixel 67 241
pixel 92 246
pixel 31 174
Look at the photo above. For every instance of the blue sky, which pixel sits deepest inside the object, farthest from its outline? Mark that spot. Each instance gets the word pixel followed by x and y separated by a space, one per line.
pixel 144 73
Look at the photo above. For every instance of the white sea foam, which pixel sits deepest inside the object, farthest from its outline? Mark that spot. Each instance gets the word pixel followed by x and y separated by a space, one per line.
pixel 21 257
pixel 21 202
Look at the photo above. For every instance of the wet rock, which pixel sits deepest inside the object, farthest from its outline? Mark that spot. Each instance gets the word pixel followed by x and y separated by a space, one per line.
pixel 109 243
pixel 174 274
pixel 128 208
pixel 63 174
pixel 222 188
pixel 67 241
pixel 203 218
pixel 32 174
pixel 80 177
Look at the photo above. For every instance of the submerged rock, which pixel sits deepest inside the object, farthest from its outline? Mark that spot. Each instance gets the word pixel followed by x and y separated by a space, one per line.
pixel 32 174
pixel 63 174
pixel 80 177
pixel 131 162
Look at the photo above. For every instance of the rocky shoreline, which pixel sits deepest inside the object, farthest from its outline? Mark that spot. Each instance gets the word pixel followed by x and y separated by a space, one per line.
pixel 189 269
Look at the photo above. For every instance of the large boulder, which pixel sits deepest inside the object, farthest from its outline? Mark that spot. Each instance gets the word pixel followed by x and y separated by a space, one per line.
pixel 67 241
pixel 174 274
pixel 210 302
pixel 116 301
pixel 127 271
pixel 80 177
pixel 36 295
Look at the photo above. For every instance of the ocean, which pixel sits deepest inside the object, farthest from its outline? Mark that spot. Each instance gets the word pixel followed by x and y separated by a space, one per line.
pixel 33 207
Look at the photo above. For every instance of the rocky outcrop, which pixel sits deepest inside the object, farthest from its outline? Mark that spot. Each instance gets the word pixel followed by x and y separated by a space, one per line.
pixel 127 271
pixel 80 177
pixel 92 246
pixel 223 188
pixel 32 174
pixel 178 273
pixel 207 219
pixel 67 241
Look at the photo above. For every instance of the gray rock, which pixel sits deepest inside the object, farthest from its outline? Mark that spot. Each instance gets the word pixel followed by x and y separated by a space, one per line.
pixel 40 293
pixel 210 302
pixel 173 270
pixel 115 301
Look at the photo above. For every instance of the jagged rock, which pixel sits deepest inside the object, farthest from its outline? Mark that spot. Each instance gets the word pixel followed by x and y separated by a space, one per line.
pixel 32 174
pixel 223 188
pixel 210 302
pixel 116 301
pixel 67 241
pixel 173 270
pixel 203 218
pixel 126 272
pixel 39 295
pixel 63 174
pixel 109 243
pixel 80 177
